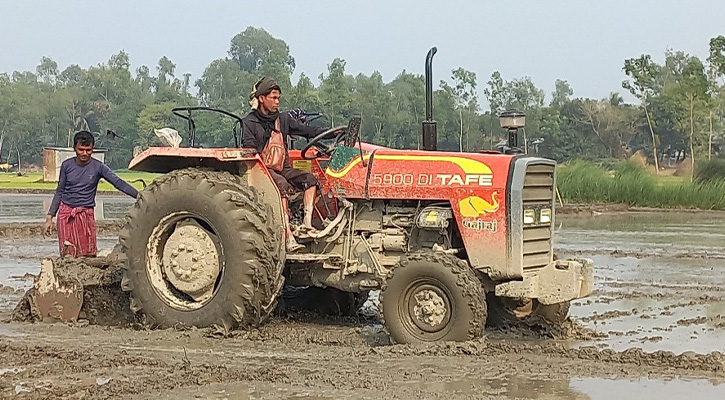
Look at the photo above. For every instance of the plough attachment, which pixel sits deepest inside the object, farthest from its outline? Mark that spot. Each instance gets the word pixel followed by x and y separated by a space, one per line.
pixel 71 289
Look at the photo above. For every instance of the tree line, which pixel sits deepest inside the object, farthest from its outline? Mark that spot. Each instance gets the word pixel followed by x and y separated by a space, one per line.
pixel 681 106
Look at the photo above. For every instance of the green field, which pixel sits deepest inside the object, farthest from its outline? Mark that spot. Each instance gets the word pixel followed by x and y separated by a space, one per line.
pixel 34 181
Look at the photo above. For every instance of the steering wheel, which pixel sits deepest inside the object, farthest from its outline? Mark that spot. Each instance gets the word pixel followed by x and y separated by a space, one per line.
pixel 323 149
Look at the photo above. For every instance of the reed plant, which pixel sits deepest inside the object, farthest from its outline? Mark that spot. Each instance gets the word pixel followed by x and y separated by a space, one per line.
pixel 584 182
pixel 710 171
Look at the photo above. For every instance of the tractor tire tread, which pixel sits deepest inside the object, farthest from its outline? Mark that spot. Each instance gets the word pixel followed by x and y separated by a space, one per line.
pixel 466 280
pixel 242 205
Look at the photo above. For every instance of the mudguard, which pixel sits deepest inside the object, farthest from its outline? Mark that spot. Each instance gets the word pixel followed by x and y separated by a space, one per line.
pixel 239 161
pixel 167 159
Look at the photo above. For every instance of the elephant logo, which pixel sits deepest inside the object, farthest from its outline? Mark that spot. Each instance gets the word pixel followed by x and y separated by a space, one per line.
pixel 474 206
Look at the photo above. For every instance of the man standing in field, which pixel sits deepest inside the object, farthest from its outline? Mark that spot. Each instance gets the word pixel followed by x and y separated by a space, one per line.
pixel 75 198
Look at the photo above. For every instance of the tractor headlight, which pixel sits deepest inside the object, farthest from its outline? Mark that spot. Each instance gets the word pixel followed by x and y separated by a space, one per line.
pixel 545 216
pixel 529 217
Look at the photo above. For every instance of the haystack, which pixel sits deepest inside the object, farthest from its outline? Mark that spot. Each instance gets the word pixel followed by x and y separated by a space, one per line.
pixel 639 158
pixel 685 168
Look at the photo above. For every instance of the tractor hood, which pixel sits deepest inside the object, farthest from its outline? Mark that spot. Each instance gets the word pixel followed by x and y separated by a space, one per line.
pixel 376 172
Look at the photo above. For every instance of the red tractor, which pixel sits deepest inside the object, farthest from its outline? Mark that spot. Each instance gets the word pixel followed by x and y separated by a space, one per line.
pixel 451 240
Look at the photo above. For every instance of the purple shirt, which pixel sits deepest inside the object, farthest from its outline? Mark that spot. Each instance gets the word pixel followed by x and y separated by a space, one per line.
pixel 77 184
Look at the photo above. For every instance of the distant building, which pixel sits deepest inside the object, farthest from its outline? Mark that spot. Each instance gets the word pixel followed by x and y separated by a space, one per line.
pixel 53 157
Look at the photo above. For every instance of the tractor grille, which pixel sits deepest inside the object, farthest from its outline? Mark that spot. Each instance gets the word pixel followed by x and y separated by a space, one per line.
pixel 538 193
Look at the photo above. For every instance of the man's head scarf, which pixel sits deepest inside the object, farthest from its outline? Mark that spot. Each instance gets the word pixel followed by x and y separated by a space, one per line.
pixel 263 87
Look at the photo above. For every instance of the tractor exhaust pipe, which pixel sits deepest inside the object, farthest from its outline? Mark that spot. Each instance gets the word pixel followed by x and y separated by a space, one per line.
pixel 430 134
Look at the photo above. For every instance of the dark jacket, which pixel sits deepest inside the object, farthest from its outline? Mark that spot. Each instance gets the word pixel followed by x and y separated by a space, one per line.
pixel 255 136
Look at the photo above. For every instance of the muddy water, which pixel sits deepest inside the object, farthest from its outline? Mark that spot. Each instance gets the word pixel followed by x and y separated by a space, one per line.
pixel 508 387
pixel 660 285
pixel 32 207
pixel 645 388
pixel 674 233
pixel 660 279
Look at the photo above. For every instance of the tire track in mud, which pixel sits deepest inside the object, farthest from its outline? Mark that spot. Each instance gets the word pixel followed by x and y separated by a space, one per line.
pixel 642 254
pixel 129 375
pixel 490 346
pixel 158 362
pixel 511 340
pixel 699 288
pixel 606 297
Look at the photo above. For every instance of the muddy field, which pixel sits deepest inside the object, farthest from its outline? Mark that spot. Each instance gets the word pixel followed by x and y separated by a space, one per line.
pixel 654 328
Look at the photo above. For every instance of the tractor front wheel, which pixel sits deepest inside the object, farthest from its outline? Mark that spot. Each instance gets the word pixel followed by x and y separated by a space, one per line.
pixel 431 297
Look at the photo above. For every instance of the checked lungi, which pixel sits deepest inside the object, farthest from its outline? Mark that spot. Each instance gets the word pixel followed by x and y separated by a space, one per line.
pixel 76 226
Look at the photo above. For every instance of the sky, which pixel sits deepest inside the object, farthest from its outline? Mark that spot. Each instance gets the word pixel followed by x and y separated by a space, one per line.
pixel 583 42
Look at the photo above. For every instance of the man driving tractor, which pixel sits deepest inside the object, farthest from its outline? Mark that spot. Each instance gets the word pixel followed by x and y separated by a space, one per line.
pixel 257 129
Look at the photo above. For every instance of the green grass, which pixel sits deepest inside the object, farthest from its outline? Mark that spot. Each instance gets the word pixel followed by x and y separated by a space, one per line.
pixel 672 180
pixel 710 171
pixel 34 181
pixel 628 183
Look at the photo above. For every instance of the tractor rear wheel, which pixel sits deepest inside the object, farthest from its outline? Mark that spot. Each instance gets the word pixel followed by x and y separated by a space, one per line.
pixel 431 297
pixel 202 249
pixel 505 310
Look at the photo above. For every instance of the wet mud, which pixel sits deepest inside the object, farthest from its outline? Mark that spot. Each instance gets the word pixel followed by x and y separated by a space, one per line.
pixel 99 281
pixel 586 209
pixel 654 328
pixel 660 279
pixel 326 361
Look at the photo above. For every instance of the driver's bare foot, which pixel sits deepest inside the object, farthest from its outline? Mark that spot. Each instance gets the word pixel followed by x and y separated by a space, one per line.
pixel 307 221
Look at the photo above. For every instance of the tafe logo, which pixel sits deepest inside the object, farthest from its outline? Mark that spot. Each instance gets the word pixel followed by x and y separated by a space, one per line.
pixel 465 179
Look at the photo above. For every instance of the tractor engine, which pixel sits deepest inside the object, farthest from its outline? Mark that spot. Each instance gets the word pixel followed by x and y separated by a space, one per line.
pixel 378 234
pixel 392 227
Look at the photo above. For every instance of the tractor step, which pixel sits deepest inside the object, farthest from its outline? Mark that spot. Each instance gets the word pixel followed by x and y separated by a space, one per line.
pixel 307 257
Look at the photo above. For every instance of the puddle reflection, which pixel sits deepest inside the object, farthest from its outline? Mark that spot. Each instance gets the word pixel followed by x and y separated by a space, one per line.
pixel 645 388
